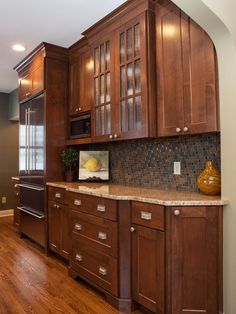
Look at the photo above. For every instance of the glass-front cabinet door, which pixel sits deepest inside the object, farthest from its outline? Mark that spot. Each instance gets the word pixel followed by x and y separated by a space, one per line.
pixel 131 79
pixel 103 91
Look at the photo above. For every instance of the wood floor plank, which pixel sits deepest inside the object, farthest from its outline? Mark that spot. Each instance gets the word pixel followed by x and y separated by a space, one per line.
pixel 32 283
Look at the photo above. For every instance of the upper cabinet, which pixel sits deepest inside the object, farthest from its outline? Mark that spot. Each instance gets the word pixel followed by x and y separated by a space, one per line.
pixel 103 86
pixel 187 75
pixel 124 74
pixel 144 70
pixel 31 77
pixel 81 94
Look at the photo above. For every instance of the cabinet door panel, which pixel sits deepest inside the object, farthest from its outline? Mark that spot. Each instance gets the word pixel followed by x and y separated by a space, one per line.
pixel 148 268
pixel 80 82
pixel 201 108
pixel 170 72
pixel 54 223
pixel 132 79
pixel 194 260
pixel 103 82
pixel 25 85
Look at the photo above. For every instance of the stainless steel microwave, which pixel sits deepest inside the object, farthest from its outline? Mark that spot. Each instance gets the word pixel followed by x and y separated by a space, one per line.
pixel 80 126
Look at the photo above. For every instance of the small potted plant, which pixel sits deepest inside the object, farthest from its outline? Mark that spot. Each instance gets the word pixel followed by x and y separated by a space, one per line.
pixel 70 157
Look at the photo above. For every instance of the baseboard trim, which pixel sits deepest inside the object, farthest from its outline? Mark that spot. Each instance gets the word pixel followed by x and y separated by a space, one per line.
pixel 6 213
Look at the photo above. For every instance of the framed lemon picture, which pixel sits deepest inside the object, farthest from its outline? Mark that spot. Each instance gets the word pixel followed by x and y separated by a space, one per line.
pixel 94 165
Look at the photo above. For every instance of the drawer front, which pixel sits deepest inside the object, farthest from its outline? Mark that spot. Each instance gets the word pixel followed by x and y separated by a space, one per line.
pixel 99 233
pixel 97 206
pixel 148 215
pixel 95 266
pixel 57 195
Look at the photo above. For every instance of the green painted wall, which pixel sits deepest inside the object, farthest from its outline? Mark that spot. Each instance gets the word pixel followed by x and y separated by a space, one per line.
pixel 8 150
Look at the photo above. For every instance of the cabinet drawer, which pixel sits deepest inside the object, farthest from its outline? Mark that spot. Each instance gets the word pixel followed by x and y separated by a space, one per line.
pixel 99 233
pixel 148 215
pixel 57 195
pixel 97 206
pixel 95 266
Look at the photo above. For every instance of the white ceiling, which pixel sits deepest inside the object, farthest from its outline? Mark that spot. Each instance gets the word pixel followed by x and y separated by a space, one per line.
pixel 59 22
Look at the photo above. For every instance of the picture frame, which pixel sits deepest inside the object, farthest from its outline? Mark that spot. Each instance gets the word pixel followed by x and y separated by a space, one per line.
pixel 93 166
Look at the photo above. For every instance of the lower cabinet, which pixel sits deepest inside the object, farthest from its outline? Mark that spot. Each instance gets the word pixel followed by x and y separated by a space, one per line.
pixel 148 271
pixel 58 231
pixel 194 260
pixel 165 259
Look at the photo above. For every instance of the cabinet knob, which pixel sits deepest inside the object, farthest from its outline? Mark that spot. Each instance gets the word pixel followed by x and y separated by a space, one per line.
pixel 102 235
pixel 176 212
pixel 27 94
pixel 16 186
pixel 132 229
pixel 78 227
pixel 115 136
pixel 146 215
pixel 185 129
pixel 111 136
pixel 101 208
pixel 178 130
pixel 102 271
pixel 77 202
pixel 55 206
pixel 77 109
pixel 80 109
pixel 58 195
pixel 58 206
pixel 17 194
pixel 79 257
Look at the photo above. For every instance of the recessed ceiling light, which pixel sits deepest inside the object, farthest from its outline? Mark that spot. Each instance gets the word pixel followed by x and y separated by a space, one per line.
pixel 18 47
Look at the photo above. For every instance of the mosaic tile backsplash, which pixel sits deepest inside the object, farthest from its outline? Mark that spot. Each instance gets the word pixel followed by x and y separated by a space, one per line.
pixel 149 162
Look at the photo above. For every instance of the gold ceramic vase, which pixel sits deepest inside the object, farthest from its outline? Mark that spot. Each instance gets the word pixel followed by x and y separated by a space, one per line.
pixel 209 180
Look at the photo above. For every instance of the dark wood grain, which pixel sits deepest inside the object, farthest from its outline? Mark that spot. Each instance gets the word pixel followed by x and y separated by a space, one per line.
pixel 91 204
pixel 148 268
pixel 30 282
pixel 156 221
pixel 196 239
pixel 187 75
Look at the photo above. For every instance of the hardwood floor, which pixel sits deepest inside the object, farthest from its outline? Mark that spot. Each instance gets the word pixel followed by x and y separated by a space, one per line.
pixel 33 283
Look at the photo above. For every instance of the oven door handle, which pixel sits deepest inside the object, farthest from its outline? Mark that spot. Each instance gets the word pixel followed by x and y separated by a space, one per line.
pixel 30 213
pixel 31 187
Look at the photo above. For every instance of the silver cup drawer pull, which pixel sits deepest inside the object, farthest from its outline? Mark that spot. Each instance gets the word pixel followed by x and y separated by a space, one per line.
pixel 101 208
pixel 77 202
pixel 79 257
pixel 102 271
pixel 58 195
pixel 102 235
pixel 78 227
pixel 146 215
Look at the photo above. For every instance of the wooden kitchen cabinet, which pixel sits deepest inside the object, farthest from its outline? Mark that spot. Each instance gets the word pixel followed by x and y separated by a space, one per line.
pixel 16 203
pixel 124 75
pixel 58 224
pixel 194 260
pixel 81 94
pixel 31 77
pixel 187 75
pixel 148 268
pixel 148 251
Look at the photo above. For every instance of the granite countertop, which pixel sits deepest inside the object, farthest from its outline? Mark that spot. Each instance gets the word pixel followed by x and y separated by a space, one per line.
pixel 153 196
